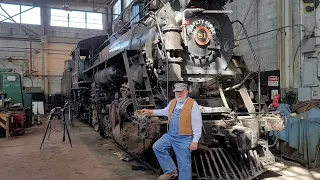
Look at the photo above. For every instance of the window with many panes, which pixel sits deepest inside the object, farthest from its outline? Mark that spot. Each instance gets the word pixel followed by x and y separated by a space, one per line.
pixel 30 16
pixel 94 21
pixel 59 18
pixel 20 14
pixel 76 19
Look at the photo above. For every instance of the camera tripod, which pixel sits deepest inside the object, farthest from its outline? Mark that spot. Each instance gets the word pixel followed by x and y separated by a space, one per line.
pixel 56 112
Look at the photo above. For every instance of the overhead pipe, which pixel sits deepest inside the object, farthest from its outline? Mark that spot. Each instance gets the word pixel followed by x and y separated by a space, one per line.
pixel 30 57
pixel 287 45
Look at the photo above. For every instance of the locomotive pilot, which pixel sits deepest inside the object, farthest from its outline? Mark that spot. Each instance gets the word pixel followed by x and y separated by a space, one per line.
pixel 185 127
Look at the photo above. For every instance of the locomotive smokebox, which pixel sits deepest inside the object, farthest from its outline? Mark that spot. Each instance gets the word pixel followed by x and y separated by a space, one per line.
pixel 111 75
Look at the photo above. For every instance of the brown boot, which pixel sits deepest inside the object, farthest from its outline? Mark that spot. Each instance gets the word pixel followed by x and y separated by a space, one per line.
pixel 170 175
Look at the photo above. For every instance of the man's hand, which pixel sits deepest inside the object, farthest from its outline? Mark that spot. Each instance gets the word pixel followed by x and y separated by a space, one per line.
pixel 193 146
pixel 147 111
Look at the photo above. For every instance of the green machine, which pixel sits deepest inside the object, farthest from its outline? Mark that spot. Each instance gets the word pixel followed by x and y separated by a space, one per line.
pixel 11 89
pixel 10 83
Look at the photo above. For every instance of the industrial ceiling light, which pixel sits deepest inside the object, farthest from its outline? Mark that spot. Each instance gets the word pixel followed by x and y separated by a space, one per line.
pixel 66 7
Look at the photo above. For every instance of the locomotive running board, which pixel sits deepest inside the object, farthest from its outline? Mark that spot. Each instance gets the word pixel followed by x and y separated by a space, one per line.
pixel 223 164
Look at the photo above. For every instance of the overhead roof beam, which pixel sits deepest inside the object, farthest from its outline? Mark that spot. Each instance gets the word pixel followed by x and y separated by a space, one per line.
pixel 97 3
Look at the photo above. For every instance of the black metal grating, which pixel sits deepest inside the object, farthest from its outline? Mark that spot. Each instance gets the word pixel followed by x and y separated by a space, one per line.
pixel 219 163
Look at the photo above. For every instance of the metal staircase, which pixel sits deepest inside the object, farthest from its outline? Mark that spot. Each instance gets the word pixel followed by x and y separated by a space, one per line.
pixel 250 83
pixel 138 94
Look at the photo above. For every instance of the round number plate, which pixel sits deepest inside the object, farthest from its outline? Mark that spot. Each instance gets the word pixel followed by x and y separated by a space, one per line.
pixel 202 35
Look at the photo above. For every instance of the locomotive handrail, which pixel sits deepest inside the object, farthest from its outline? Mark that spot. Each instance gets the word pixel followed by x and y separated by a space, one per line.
pixel 92 67
pixel 152 15
pixel 240 84
pixel 217 11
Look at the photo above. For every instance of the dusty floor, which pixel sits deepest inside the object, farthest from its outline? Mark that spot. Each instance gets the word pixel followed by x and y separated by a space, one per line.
pixel 90 158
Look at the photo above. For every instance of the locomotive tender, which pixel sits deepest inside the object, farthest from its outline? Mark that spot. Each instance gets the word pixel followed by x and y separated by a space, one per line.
pixel 110 78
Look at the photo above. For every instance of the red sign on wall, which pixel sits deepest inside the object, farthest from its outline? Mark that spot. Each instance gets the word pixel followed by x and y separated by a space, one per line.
pixel 273 81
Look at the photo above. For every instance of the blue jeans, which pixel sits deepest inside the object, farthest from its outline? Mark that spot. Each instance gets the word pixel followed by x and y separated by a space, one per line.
pixel 180 146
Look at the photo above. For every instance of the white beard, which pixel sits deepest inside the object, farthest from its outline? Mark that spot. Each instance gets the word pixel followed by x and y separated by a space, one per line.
pixel 181 99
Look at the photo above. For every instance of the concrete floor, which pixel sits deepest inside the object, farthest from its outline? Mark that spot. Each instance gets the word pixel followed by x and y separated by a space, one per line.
pixel 286 170
pixel 90 158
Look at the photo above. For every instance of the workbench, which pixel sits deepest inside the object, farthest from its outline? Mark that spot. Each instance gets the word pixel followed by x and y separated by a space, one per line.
pixel 5 119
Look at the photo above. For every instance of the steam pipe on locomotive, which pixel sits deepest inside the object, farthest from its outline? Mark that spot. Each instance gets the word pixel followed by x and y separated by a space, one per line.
pixel 193 44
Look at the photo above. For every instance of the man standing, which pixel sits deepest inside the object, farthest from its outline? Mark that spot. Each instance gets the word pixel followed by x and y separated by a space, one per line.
pixel 185 127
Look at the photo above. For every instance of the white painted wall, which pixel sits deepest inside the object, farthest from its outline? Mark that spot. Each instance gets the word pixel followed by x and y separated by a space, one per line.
pixel 262 17
pixel 277 50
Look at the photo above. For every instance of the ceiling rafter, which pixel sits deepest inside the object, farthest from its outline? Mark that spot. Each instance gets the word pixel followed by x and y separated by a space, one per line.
pixel 97 3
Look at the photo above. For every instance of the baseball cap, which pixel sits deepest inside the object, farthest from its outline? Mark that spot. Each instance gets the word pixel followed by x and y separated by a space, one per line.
pixel 180 87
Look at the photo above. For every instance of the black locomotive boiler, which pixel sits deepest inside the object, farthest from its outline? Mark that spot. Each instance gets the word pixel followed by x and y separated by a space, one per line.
pixel 191 41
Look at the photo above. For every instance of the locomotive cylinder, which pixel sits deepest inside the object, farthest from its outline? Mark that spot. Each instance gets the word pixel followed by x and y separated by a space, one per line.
pixel 111 75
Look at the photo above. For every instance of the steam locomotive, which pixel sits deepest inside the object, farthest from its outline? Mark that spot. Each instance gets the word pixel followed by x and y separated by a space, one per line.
pixel 110 78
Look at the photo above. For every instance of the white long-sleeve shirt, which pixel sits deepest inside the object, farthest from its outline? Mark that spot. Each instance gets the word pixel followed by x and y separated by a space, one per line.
pixel 196 117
